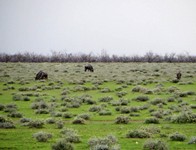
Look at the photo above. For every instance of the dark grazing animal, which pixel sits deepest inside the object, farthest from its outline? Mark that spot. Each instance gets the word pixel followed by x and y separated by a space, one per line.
pixel 41 75
pixel 88 67
pixel 178 75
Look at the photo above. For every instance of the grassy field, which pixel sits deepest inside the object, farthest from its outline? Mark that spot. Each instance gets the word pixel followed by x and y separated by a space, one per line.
pixel 130 103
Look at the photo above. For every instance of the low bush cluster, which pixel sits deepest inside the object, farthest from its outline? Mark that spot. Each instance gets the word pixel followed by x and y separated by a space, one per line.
pixel 109 142
pixel 42 136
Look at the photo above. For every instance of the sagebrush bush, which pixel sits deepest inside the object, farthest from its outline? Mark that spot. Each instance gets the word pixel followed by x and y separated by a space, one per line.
pixel 122 120
pixel 78 120
pixel 15 114
pixel 158 101
pixel 184 117
pixel 151 129
pixel 125 110
pixel 85 116
pixel 70 135
pixel 177 137
pixel 106 99
pixel 36 124
pixel 155 145
pixel 2 107
pixel 67 115
pixel 192 140
pixel 95 108
pixel 59 124
pixel 138 133
pixel 6 124
pixel 50 121
pixel 151 120
pixel 42 136
pixel 105 112
pixel 142 98
pixel 25 120
pixel 62 144
pixel 109 142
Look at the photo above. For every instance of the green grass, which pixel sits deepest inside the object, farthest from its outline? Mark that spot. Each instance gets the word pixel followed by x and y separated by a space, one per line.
pixel 114 76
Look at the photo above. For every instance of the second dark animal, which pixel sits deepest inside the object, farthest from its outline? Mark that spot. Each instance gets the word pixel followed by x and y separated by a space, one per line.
pixel 88 68
pixel 41 75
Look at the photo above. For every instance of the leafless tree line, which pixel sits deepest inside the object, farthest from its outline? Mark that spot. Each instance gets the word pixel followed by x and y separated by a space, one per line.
pixel 104 57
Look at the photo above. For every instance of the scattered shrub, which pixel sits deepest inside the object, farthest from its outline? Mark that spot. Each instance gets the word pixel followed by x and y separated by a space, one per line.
pixel 67 115
pixel 62 145
pixel 42 136
pixel 142 98
pixel 84 116
pixel 6 124
pixel 158 101
pixel 155 145
pixel 105 113
pixel 106 143
pixel 125 110
pixel 78 120
pixel 15 114
pixel 192 140
pixel 151 120
pixel 70 135
pixel 25 120
pixel 106 99
pixel 50 121
pixel 59 124
pixel 184 117
pixel 95 108
pixel 122 120
pixel 138 133
pixel 177 137
pixel 2 107
pixel 36 124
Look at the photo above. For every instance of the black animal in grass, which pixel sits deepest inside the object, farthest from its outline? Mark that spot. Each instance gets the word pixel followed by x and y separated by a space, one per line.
pixel 178 75
pixel 88 67
pixel 41 75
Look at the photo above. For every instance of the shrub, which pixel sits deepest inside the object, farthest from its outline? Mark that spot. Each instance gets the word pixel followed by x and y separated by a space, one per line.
pixel 122 120
pixel 67 115
pixel 95 108
pixel 15 114
pixel 142 98
pixel 177 137
pixel 106 99
pixel 151 129
pixel 184 117
pixel 106 143
pixel 138 134
pixel 171 99
pixel 105 112
pixel 155 145
pixel 42 136
pixel 192 140
pixel 125 110
pixel 158 101
pixel 2 107
pixel 36 124
pixel 78 120
pixel 25 120
pixel 121 93
pixel 70 135
pixel 84 116
pixel 105 90
pixel 6 124
pixel 59 124
pixel 62 145
pixel 139 89
pixel 50 121
pixel 151 120
pixel 42 111
pixel 17 97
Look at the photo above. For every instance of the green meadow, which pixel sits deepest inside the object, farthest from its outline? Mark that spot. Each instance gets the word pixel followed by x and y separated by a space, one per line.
pixel 118 106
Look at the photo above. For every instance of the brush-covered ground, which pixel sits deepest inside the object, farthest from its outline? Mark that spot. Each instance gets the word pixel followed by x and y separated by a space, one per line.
pixel 118 106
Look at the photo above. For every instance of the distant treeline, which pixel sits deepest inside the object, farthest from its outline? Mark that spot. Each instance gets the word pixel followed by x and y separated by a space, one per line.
pixel 69 57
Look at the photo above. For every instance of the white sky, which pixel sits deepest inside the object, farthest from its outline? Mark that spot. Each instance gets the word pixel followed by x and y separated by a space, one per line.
pixel 121 27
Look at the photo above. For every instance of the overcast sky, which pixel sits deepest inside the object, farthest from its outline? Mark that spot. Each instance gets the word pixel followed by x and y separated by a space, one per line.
pixel 121 27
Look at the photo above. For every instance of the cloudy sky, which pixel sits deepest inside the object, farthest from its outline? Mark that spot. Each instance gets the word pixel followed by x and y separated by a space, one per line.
pixel 121 27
